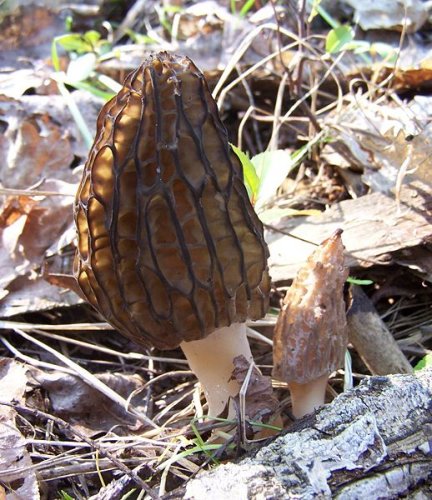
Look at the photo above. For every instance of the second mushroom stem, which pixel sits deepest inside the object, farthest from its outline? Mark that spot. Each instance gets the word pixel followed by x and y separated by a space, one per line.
pixel 211 359
pixel 306 398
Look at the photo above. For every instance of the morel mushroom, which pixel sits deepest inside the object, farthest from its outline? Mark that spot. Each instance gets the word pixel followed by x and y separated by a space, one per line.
pixel 170 250
pixel 310 337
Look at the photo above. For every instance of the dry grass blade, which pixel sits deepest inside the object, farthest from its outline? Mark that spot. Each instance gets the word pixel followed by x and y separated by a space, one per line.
pixel 34 362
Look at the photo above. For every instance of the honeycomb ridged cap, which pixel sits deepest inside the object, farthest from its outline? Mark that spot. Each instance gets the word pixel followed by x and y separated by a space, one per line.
pixel 169 246
pixel 311 333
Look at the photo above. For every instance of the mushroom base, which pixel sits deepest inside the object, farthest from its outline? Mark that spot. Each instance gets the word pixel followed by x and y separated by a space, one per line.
pixel 211 359
pixel 306 398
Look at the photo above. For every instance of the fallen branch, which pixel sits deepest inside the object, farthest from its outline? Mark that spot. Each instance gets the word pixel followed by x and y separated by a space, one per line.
pixel 372 441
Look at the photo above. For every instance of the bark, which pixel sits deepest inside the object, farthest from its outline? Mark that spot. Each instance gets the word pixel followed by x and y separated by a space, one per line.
pixel 372 442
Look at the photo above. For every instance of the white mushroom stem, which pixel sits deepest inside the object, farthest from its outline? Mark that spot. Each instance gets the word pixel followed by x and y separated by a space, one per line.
pixel 305 398
pixel 211 359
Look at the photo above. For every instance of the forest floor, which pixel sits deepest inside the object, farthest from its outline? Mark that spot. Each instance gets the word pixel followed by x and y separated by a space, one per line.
pixel 338 106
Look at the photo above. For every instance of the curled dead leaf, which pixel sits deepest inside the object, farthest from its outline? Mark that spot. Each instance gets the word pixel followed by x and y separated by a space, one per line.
pixel 260 401
pixel 86 408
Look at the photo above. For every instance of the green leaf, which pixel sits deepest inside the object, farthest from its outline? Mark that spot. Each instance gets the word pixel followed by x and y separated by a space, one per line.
pixel 139 38
pixel 355 281
pixel 74 42
pixel 338 38
pixel 331 21
pixel 358 46
pixel 68 23
pixel 271 167
pixel 88 87
pixel 65 496
pixel 201 444
pixel 425 362
pixel 103 48
pixel 54 55
pixel 92 37
pixel 73 108
pixel 246 7
pixel 250 177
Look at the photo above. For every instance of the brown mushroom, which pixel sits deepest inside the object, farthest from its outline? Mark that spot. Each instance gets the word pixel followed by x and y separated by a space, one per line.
pixel 170 250
pixel 310 337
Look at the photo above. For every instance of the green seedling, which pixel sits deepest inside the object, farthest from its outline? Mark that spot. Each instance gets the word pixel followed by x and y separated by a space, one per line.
pixel 265 172
pixel 199 441
pixel 245 8
pixel 65 496
pixel 425 362
pixel 85 52
pixel 356 281
pixel 342 38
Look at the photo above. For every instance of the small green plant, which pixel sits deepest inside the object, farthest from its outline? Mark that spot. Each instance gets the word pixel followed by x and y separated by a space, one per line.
pixel 139 38
pixel 265 172
pixel 199 441
pixel 85 51
pixel 343 38
pixel 357 281
pixel 425 362
pixel 207 448
pixel 65 496
pixel 245 8
pixel 165 13
pixel 339 39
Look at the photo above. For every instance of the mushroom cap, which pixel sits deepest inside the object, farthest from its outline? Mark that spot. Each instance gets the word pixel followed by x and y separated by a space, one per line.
pixel 169 246
pixel 311 333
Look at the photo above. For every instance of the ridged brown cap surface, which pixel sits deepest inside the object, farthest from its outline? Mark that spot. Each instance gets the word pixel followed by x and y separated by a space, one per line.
pixel 311 333
pixel 169 246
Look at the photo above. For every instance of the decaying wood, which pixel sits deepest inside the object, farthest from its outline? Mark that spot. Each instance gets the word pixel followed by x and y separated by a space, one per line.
pixel 372 339
pixel 371 442
pixel 374 227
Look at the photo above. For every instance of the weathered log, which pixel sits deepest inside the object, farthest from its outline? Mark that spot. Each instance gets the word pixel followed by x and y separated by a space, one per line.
pixel 372 442
pixel 372 339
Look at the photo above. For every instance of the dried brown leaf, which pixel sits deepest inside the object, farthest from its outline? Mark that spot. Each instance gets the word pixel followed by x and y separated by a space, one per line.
pixel 29 228
pixel 35 146
pixel 26 32
pixel 86 408
pixel 375 226
pixel 15 475
pixel 260 402
pixel 391 15
pixel 39 138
